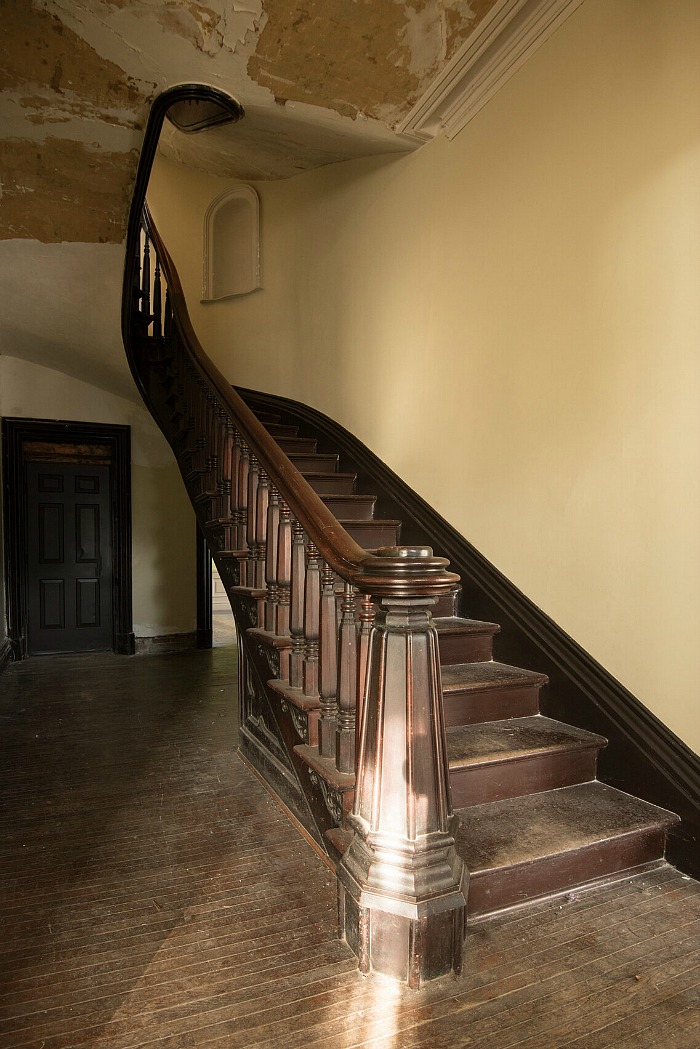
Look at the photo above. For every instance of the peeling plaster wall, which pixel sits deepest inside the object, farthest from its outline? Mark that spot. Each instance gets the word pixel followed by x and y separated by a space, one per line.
pixel 372 59
pixel 512 322
pixel 66 175
pixel 321 82
pixel 164 569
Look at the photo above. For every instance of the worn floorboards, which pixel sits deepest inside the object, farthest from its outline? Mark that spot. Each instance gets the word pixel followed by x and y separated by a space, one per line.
pixel 153 895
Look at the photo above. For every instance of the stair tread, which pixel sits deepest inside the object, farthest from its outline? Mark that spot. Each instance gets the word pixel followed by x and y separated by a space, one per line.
pixel 498 741
pixel 327 474
pixel 502 834
pixel 458 625
pixel 323 456
pixel 477 677
pixel 372 521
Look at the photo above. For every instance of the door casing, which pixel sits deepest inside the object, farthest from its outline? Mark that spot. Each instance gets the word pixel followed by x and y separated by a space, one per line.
pixel 118 438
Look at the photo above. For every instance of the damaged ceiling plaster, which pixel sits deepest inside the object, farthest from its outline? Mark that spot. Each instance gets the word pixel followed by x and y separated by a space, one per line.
pixel 321 81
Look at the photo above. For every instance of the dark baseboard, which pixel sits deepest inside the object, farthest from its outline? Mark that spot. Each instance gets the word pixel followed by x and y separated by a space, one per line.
pixel 7 654
pixel 165 643
pixel 643 756
pixel 125 644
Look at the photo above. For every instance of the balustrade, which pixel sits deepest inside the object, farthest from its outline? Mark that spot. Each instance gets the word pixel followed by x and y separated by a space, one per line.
pixel 374 678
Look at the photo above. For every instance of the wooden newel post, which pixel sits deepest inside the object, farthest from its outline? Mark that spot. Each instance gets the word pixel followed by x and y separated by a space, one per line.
pixel 401 885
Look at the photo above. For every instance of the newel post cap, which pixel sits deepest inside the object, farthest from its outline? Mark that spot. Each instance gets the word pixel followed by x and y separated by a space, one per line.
pixel 405 571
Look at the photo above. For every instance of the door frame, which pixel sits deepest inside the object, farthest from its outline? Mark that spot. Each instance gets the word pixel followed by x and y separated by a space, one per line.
pixel 205 633
pixel 118 440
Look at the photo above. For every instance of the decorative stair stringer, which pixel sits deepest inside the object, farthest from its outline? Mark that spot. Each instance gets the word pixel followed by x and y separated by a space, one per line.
pixel 267 738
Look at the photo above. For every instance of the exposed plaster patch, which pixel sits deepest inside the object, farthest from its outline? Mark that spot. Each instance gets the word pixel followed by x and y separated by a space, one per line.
pixel 360 58
pixel 171 42
pixel 461 20
pixel 64 191
pixel 333 53
pixel 37 49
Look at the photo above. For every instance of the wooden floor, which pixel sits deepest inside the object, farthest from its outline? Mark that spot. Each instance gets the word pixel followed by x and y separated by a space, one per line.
pixel 154 895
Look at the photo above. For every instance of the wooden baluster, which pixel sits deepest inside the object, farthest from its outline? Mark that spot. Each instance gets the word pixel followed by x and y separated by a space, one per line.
pixel 284 570
pixel 273 528
pixel 200 434
pixel 226 480
pixel 312 597
pixel 242 525
pixel 146 284
pixel 157 303
pixel 253 475
pixel 261 502
pixel 296 607
pixel 347 684
pixel 168 322
pixel 284 581
pixel 363 640
pixel 214 440
pixel 328 665
pixel 236 453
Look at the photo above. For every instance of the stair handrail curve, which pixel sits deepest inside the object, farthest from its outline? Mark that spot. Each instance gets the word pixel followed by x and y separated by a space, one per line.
pixel 400 882
pixel 399 571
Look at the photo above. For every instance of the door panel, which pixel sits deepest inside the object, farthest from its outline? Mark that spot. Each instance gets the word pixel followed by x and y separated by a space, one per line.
pixel 69 570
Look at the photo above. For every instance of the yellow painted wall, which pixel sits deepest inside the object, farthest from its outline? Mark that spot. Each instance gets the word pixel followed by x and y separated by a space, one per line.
pixel 511 320
pixel 164 595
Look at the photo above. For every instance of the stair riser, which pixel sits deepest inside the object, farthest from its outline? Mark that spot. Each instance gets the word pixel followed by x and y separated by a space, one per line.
pixel 465 648
pixel 518 776
pixel 292 445
pixel 471 708
pixel 351 509
pixel 281 430
pixel 491 891
pixel 372 534
pixel 338 485
pixel 321 463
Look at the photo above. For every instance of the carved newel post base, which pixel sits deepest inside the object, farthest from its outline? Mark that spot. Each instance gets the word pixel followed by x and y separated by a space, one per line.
pixel 401 885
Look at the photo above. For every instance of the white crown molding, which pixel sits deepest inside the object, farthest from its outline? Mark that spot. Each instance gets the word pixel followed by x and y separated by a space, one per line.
pixel 503 41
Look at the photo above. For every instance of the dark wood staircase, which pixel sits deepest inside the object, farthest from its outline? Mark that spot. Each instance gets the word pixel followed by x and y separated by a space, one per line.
pixel 467 799
pixel 533 819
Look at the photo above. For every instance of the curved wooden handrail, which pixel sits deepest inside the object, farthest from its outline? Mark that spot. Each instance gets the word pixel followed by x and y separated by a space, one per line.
pixel 397 571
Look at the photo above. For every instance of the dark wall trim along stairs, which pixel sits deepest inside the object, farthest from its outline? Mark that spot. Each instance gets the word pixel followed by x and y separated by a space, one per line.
pixel 643 756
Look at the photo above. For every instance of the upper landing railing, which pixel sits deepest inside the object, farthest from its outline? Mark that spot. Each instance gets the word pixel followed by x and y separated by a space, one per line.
pixel 260 513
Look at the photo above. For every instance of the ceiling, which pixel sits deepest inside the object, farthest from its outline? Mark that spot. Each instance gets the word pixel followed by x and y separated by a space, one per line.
pixel 321 81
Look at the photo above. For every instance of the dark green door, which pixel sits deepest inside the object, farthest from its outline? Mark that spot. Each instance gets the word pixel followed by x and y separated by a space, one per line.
pixel 69 570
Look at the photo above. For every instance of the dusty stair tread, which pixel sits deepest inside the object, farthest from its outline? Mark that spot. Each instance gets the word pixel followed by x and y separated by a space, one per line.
pixel 502 834
pixel 479 677
pixel 372 522
pixel 491 742
pixel 458 625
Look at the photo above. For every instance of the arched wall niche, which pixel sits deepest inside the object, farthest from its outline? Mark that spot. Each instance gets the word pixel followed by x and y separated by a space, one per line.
pixel 232 244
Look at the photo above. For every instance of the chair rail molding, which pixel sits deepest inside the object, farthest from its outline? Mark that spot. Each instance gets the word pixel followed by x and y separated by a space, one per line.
pixel 511 32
